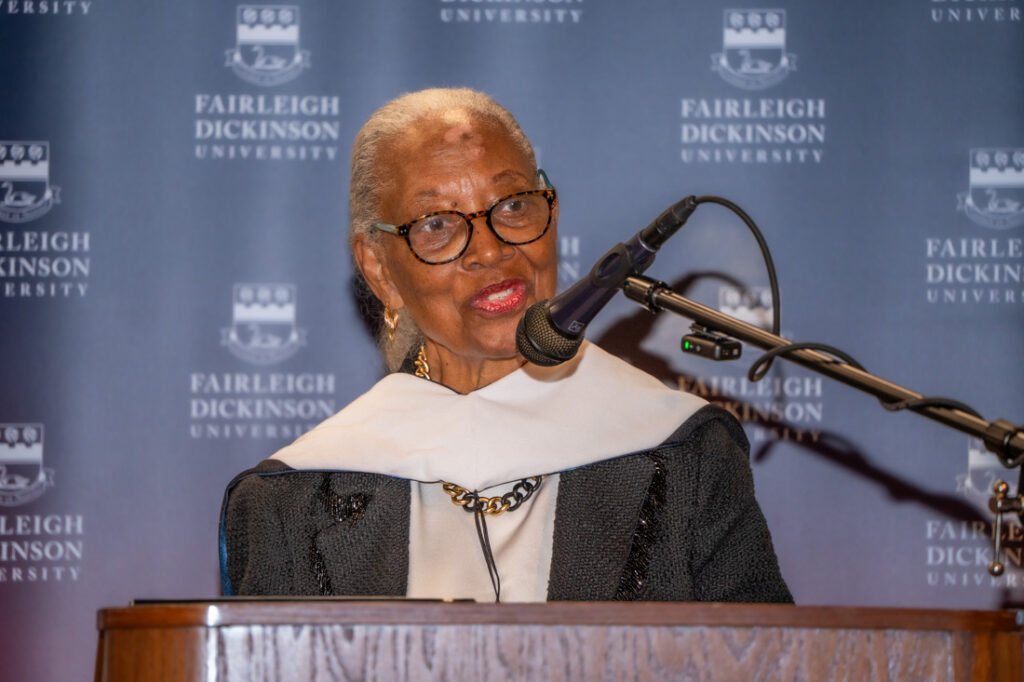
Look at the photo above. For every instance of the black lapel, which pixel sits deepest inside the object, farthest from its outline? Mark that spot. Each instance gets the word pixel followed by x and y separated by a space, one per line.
pixel 595 516
pixel 364 548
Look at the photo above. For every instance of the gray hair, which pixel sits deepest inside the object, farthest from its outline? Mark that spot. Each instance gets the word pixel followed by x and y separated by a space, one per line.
pixel 386 127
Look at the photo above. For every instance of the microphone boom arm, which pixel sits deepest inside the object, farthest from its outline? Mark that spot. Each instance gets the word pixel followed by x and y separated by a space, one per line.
pixel 1001 437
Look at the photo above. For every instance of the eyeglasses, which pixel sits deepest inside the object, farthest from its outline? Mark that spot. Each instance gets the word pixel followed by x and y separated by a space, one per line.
pixel 443 236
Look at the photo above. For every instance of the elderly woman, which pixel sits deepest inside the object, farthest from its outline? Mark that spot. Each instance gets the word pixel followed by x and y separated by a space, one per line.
pixel 466 473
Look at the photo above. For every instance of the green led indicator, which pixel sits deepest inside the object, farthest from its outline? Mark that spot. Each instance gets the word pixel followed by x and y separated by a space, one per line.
pixel 686 345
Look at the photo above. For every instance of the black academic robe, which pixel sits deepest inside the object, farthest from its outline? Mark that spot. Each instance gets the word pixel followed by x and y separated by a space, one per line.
pixel 678 522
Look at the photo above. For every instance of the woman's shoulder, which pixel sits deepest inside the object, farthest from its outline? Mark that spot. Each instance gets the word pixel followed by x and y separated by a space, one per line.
pixel 708 448
pixel 712 426
pixel 268 473
pixel 267 467
pixel 705 446
pixel 275 481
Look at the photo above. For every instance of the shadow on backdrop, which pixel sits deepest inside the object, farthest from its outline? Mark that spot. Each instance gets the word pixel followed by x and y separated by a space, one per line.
pixel 625 339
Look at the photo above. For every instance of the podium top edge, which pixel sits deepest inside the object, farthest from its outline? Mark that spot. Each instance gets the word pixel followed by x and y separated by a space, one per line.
pixel 235 612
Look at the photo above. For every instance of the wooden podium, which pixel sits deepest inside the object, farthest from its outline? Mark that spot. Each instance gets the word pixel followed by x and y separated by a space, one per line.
pixel 316 640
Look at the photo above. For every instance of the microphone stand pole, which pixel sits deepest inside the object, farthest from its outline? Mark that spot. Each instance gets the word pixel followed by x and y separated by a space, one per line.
pixel 1001 437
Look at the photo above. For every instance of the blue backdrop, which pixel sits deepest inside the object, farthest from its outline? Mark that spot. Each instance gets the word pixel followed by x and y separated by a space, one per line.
pixel 176 298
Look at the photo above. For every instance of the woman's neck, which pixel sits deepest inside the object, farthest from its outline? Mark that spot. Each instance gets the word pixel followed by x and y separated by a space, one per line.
pixel 465 375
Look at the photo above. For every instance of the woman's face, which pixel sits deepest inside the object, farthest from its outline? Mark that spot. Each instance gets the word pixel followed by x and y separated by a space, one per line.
pixel 469 307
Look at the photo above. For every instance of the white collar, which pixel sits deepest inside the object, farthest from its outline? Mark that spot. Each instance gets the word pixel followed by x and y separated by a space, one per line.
pixel 533 421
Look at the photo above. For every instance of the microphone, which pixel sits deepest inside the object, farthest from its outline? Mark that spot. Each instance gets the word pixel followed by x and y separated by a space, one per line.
pixel 551 331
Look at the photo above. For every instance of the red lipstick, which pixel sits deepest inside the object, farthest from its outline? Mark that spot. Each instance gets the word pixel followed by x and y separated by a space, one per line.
pixel 502 297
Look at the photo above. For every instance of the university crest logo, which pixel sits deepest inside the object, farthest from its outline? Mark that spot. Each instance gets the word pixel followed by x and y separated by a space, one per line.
pixel 753 55
pixel 25 189
pixel 983 470
pixel 995 197
pixel 263 329
pixel 753 305
pixel 22 476
pixel 266 48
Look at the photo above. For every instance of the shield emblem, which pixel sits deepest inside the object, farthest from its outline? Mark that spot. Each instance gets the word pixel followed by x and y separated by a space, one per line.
pixel 983 470
pixel 22 476
pixel 753 52
pixel 263 327
pixel 267 48
pixel 25 191
pixel 753 305
pixel 995 197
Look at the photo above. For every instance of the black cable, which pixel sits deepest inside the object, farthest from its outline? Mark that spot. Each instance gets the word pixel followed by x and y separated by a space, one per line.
pixel 773 281
pixel 760 366
pixel 485 545
pixel 930 402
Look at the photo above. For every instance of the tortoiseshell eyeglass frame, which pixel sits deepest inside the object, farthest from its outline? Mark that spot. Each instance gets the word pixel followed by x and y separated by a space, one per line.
pixel 403 230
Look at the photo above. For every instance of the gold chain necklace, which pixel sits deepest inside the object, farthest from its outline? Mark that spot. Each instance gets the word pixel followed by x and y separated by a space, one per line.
pixel 468 500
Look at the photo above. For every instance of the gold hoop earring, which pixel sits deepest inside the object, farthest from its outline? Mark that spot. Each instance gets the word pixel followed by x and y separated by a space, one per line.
pixel 390 322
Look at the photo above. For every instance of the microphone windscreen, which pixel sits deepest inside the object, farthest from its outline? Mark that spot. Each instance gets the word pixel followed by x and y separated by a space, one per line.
pixel 540 342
